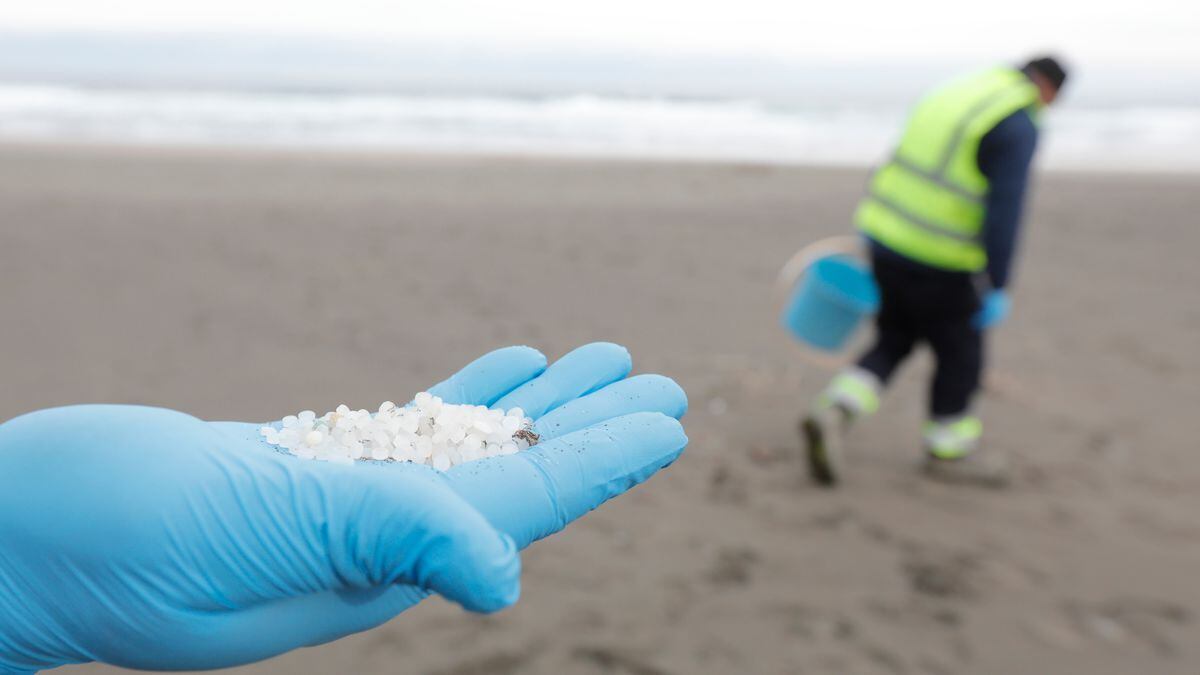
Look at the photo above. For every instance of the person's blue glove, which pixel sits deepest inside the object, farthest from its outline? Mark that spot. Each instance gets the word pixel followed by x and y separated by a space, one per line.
pixel 996 305
pixel 149 539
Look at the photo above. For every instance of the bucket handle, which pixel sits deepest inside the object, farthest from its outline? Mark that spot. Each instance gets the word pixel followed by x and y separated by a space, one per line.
pixel 799 263
pixel 795 267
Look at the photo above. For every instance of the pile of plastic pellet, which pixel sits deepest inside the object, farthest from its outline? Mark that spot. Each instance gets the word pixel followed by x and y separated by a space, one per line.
pixel 428 431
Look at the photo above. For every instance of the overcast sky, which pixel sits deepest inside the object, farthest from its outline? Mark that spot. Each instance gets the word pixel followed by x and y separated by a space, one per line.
pixel 1145 32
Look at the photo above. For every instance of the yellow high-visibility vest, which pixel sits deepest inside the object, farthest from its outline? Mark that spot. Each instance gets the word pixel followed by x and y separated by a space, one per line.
pixel 927 202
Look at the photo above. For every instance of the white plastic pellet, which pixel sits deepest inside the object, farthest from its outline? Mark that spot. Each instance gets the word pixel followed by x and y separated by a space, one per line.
pixel 428 431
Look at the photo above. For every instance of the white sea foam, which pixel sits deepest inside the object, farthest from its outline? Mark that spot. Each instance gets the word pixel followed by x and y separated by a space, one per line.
pixel 1139 137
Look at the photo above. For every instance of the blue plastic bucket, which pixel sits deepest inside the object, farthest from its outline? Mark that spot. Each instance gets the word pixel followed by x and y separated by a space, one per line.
pixel 831 300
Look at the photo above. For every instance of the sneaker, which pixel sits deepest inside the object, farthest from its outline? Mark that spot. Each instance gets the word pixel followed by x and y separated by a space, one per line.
pixel 852 393
pixel 822 432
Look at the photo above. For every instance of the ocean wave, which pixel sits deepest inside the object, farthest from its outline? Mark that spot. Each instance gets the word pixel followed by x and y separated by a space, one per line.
pixel 1163 137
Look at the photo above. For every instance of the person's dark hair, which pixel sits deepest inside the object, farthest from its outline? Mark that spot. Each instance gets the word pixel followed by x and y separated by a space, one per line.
pixel 1049 68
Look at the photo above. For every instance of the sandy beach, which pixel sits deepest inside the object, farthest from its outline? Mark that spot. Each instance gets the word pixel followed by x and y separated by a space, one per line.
pixel 248 285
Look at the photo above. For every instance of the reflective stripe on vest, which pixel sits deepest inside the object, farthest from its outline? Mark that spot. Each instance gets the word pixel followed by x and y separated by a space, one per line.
pixel 927 203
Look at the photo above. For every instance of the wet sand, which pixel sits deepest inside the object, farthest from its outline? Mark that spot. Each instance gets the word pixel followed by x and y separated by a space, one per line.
pixel 249 285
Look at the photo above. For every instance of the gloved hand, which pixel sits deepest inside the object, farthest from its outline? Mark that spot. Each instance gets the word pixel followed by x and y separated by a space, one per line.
pixel 149 539
pixel 996 305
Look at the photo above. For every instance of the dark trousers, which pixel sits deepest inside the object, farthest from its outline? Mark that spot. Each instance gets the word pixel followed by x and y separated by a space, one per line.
pixel 922 304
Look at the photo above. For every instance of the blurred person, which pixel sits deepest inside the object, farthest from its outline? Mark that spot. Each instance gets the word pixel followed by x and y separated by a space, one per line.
pixel 942 218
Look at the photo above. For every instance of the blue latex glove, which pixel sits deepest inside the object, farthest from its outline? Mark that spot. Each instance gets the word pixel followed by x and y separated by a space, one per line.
pixel 147 538
pixel 996 305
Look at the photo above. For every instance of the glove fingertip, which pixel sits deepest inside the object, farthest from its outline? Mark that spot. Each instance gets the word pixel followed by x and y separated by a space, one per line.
pixel 609 352
pixel 533 357
pixel 678 437
pixel 659 433
pixel 675 400
pixel 498 584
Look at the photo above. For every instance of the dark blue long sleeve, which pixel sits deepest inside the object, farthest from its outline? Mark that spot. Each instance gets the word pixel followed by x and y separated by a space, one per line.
pixel 1005 154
